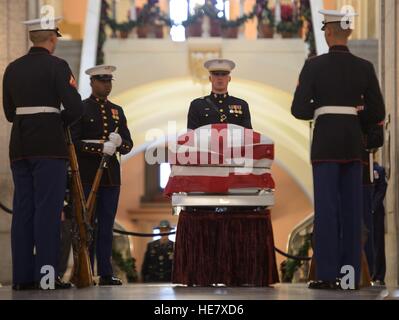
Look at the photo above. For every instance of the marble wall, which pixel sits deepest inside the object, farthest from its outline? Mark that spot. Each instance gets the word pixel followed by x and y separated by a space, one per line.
pixel 14 44
pixel 389 58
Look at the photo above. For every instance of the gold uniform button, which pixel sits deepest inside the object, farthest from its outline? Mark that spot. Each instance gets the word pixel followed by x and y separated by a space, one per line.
pixel 92 149
pixel 102 106
pixel 105 131
pixel 86 148
pixel 104 137
pixel 105 118
pixel 91 120
pixel 221 110
pixel 220 101
pixel 206 115
pixel 99 150
pixel 105 124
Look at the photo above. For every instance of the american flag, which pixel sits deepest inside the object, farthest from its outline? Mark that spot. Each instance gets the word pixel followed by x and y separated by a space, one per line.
pixel 219 158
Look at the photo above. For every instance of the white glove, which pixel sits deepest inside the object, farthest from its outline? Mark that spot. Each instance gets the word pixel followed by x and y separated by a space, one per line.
pixel 109 148
pixel 115 138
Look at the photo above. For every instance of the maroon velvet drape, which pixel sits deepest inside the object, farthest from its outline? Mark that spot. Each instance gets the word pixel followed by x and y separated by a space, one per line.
pixel 231 248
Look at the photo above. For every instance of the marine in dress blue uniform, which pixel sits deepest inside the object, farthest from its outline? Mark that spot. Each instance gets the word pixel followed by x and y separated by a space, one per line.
pixel 368 226
pixel 219 106
pixel 190 267
pixel 94 135
pixel 378 210
pixel 342 93
pixel 158 259
pixel 34 87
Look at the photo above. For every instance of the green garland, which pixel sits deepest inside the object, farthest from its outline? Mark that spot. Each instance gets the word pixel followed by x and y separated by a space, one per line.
pixel 266 16
pixel 289 26
pixel 239 21
pixel 290 266
pixel 102 36
pixel 149 14
pixel 210 11
pixel 306 15
pixel 152 14
pixel 128 266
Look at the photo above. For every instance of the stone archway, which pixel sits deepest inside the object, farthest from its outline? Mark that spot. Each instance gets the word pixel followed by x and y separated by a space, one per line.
pixel 153 105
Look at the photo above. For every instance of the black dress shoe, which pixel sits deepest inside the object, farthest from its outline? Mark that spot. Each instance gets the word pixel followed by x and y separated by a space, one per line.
pixel 324 285
pixel 59 284
pixel 378 283
pixel 110 281
pixel 357 286
pixel 24 286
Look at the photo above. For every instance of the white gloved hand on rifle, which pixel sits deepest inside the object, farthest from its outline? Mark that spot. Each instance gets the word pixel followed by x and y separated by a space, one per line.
pixel 109 148
pixel 115 138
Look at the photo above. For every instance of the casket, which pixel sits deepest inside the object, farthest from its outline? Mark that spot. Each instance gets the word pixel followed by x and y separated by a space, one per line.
pixel 221 165
pixel 222 187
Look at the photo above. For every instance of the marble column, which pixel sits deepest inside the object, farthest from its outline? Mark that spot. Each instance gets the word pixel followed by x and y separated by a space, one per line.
pixel 389 58
pixel 14 42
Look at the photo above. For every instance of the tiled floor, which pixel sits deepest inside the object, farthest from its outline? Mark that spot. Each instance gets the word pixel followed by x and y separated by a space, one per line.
pixel 171 292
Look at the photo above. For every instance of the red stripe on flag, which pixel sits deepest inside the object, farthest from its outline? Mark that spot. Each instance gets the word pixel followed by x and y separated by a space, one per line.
pixel 259 152
pixel 211 184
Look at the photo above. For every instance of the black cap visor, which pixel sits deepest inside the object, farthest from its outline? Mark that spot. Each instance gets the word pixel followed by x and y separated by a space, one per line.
pixel 57 32
pixel 323 28
pixel 103 77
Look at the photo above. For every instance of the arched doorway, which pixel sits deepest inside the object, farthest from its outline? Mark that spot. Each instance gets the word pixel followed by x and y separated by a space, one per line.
pixel 154 105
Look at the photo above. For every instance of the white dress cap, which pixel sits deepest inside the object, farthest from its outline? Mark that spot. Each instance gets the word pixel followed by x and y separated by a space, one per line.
pixel 219 65
pixel 43 24
pixel 335 16
pixel 104 72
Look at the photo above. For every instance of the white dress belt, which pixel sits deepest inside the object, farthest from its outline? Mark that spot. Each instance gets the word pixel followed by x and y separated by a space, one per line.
pixel 34 110
pixel 93 141
pixel 334 110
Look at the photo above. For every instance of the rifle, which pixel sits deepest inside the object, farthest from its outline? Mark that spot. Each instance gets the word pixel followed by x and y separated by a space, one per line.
pixel 82 275
pixel 91 200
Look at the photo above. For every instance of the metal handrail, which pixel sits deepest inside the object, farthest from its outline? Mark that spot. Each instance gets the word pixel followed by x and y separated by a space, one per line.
pixel 139 234
pixel 304 224
pixel 5 208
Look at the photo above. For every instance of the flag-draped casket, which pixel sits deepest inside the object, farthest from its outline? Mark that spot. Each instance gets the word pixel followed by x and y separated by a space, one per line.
pixel 227 238
pixel 220 158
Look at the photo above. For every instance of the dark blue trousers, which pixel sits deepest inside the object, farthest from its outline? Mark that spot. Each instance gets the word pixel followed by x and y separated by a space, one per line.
pixel 369 225
pixel 338 218
pixel 106 207
pixel 38 201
